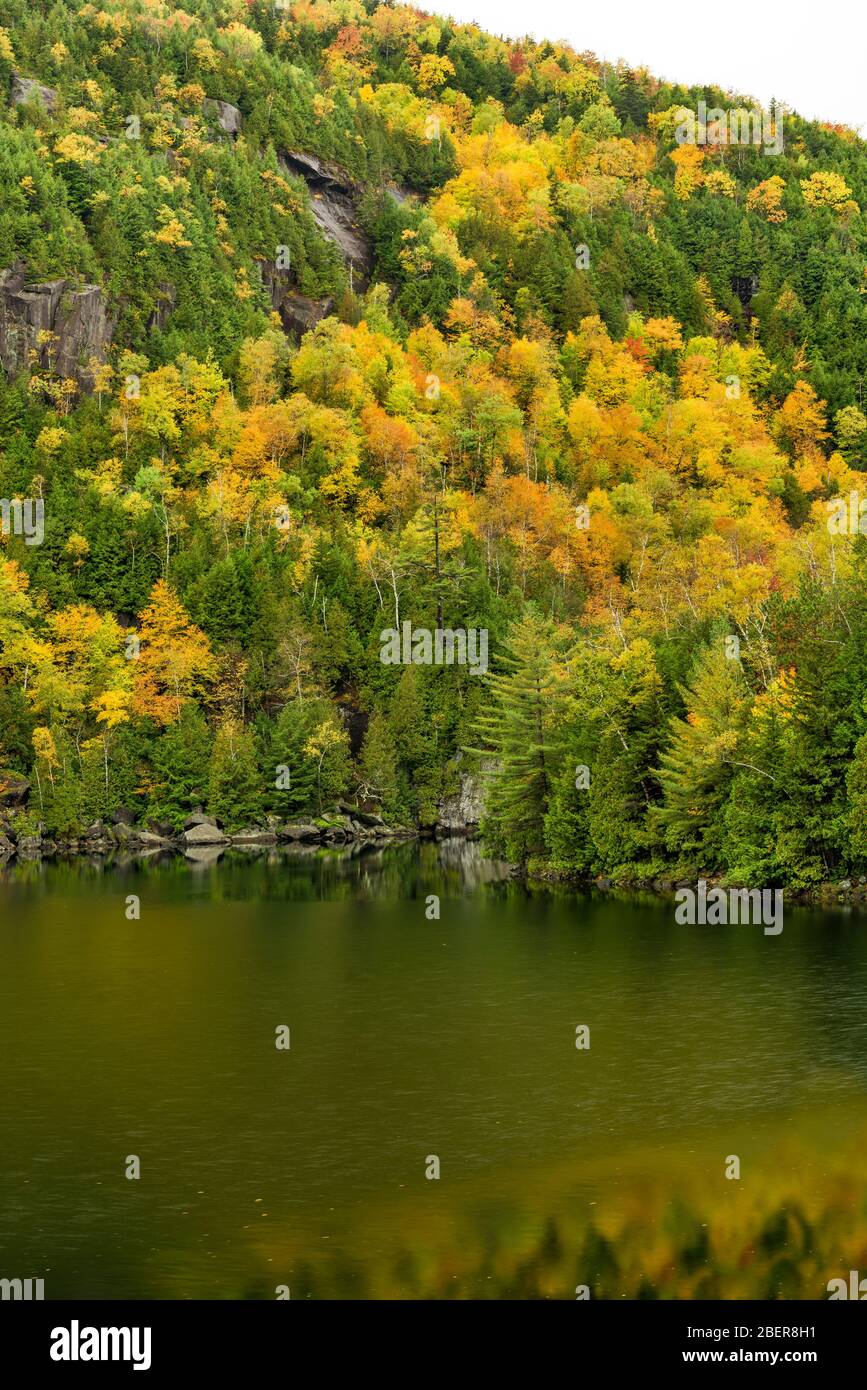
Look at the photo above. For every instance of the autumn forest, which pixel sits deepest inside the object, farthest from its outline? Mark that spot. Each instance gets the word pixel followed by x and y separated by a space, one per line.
pixel 322 317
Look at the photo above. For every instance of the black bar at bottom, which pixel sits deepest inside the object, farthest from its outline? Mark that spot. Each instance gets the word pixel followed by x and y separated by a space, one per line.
pixel 159 1339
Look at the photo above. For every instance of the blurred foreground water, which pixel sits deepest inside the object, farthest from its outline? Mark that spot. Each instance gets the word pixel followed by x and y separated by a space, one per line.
pixel 413 1037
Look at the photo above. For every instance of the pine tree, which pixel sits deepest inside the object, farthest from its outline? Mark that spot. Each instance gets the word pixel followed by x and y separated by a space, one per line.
pixel 409 722
pixel 181 760
pixel 218 601
pixel 857 788
pixel 235 791
pixel 407 719
pixel 696 771
pixel 625 703
pixel 378 765
pixel 289 771
pixel 519 731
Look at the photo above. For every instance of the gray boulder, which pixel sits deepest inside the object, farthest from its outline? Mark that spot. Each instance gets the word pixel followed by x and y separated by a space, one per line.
pixel 227 116
pixel 299 830
pixel 24 89
pixel 204 835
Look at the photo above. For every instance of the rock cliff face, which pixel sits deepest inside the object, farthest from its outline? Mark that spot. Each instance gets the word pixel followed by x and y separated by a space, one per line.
pixel 168 297
pixel 461 813
pixel 334 198
pixel 227 116
pixel 297 311
pixel 23 89
pixel 75 317
pixel 14 789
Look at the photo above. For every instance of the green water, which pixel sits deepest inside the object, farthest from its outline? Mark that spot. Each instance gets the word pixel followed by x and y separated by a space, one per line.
pixel 410 1038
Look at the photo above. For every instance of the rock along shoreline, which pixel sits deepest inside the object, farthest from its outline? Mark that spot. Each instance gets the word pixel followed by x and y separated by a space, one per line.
pixel 204 838
pixel 200 836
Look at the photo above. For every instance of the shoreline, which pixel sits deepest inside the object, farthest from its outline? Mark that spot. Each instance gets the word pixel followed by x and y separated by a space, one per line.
pixel 201 834
pixel 847 892
pixel 203 840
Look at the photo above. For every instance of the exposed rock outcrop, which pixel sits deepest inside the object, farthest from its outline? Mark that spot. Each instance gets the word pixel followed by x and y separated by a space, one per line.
pixel 299 313
pixel 24 89
pixel 334 199
pixel 227 116
pixel 202 839
pixel 75 317
pixel 167 299
pixel 13 789
pixel 460 813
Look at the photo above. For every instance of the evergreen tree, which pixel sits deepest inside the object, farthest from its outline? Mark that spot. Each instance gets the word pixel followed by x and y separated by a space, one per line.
pixel 857 817
pixel 235 791
pixel 415 748
pixel 181 759
pixel 290 772
pixel 696 771
pixel 518 730
pixel 378 765
pixel 628 712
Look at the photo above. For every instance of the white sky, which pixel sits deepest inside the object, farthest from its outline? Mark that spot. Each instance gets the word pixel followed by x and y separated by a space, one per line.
pixel 810 54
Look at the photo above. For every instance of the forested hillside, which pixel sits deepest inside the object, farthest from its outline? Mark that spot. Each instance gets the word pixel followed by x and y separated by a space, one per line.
pixel 319 318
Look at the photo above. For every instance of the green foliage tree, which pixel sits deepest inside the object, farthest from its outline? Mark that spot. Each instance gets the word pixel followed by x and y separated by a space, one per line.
pixel 518 731
pixel 235 791
pixel 181 760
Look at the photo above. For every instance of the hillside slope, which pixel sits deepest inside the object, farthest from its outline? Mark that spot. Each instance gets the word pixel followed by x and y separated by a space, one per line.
pixel 321 318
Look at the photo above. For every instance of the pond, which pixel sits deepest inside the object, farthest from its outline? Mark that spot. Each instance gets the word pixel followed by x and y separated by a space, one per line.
pixel 413 1045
